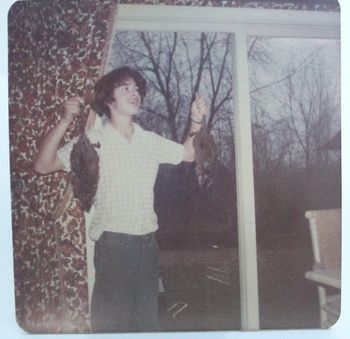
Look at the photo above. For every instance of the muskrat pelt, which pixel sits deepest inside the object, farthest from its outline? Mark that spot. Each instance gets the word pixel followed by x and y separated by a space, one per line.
pixel 205 156
pixel 85 171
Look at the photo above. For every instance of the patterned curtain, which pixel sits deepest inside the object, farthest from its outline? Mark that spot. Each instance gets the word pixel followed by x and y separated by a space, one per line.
pixel 57 48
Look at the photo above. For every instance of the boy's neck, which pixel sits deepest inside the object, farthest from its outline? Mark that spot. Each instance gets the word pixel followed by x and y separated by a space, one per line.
pixel 123 124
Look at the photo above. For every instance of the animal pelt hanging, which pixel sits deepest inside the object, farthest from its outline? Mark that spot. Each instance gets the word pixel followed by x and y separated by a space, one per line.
pixel 84 161
pixel 205 156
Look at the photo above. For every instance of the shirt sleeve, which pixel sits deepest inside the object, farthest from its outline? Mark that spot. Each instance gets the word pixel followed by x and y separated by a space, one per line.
pixel 167 151
pixel 64 153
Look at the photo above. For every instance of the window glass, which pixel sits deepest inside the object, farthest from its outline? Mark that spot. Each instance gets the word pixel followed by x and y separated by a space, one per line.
pixel 295 107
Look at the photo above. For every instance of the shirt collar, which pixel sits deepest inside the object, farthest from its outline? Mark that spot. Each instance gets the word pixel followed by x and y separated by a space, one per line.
pixel 138 135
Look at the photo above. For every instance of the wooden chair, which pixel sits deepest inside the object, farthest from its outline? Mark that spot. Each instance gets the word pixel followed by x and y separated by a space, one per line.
pixel 325 228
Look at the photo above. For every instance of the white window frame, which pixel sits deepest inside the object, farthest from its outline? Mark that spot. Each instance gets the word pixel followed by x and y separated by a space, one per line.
pixel 242 22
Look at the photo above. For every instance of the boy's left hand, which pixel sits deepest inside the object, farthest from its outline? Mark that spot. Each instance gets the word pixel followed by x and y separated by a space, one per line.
pixel 199 109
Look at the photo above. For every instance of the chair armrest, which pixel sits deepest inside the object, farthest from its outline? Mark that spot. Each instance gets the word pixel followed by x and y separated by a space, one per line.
pixel 329 277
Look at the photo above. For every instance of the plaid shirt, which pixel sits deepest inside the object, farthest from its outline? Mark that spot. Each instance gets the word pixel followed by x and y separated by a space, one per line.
pixel 124 199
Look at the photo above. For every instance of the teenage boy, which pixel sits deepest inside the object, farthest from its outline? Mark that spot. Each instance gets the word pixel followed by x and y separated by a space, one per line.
pixel 125 294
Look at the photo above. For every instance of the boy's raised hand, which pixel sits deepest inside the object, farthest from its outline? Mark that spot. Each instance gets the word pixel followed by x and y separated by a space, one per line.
pixel 72 108
pixel 199 109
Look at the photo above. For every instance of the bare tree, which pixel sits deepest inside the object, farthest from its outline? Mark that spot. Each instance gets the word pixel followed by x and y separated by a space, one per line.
pixel 311 111
pixel 177 65
pixel 294 108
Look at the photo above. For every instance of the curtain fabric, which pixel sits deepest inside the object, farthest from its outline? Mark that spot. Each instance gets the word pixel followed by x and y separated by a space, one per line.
pixel 57 48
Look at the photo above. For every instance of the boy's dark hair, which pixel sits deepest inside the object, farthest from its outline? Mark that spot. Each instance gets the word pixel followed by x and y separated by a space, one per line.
pixel 104 87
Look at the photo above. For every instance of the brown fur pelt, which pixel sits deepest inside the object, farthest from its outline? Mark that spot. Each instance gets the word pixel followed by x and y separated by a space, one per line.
pixel 205 156
pixel 85 171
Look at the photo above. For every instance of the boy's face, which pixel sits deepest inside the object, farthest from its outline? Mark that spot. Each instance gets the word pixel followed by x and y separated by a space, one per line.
pixel 127 99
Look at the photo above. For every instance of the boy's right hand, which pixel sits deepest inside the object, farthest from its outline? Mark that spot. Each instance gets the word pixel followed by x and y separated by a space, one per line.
pixel 72 108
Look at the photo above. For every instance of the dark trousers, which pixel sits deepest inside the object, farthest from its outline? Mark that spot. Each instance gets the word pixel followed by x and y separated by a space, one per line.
pixel 125 294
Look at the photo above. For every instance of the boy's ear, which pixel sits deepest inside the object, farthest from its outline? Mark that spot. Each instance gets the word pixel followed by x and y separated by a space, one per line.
pixel 110 99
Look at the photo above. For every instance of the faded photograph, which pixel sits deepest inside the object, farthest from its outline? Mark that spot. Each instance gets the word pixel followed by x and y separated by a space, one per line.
pixel 179 178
